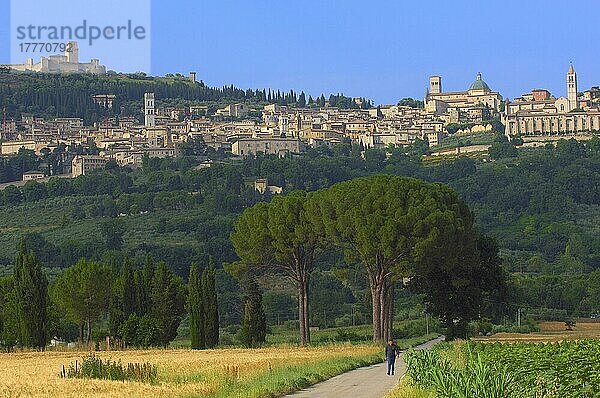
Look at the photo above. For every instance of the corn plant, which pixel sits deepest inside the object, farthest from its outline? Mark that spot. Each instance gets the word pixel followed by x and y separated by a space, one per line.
pixel 567 369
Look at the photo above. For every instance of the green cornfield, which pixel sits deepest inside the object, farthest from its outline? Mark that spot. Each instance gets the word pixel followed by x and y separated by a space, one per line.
pixel 499 370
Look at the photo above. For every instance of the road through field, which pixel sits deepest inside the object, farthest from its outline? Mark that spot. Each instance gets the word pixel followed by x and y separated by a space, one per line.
pixel 368 382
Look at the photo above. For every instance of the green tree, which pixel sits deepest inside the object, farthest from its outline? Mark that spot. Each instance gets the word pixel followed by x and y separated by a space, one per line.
pixel 113 230
pixel 84 291
pixel 143 287
pixel 418 148
pixel 168 299
pixel 372 219
pixel 502 148
pixel 254 323
pixel 280 237
pixel 31 299
pixel 399 228
pixel 195 308
pixel 34 191
pixel 211 308
pixel 411 102
pixel 123 299
pixel 454 267
pixel 301 100
pixel 374 159
pixel 452 128
pixel 12 195
pixel 9 323
pixel 129 290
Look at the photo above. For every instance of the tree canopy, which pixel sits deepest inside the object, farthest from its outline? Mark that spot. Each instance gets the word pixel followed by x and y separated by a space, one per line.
pixel 280 237
pixel 84 290
pixel 397 227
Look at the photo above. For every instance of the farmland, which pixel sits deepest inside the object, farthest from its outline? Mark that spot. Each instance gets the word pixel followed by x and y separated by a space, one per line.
pixel 213 373
pixel 475 369
pixel 550 332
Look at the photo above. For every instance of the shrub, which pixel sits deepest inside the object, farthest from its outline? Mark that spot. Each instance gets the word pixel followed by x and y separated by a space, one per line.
pixel 344 320
pixel 141 331
pixel 93 367
pixel 229 339
pixel 291 324
pixel 342 335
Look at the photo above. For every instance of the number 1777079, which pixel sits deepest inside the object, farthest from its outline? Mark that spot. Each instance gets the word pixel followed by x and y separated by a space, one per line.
pixel 48 47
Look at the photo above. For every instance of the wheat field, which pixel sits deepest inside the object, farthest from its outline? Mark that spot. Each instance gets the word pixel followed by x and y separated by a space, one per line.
pixel 214 373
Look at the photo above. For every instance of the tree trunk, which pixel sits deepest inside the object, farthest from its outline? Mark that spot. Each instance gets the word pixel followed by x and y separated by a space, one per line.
pixel 81 328
pixel 303 311
pixel 377 280
pixel 375 299
pixel 301 314
pixel 306 310
pixel 89 331
pixel 383 309
pixel 387 309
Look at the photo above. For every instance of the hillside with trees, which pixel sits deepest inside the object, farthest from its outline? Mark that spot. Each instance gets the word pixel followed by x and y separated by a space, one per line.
pixel 70 95
pixel 540 205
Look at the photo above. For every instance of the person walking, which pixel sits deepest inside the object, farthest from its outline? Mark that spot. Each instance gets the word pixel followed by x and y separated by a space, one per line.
pixel 391 352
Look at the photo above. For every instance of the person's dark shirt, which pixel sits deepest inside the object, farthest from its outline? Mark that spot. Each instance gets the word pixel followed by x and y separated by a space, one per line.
pixel 391 350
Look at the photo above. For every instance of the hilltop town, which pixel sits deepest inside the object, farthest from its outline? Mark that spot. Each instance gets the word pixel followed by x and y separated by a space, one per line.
pixel 299 199
pixel 448 122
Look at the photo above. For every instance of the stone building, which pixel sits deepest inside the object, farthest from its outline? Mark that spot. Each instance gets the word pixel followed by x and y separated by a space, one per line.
pixel 268 146
pixel 149 110
pixel 83 164
pixel 67 63
pixel 478 95
pixel 545 115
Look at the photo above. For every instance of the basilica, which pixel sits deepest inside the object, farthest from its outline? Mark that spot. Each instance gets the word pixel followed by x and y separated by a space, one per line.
pixel 460 106
pixel 539 113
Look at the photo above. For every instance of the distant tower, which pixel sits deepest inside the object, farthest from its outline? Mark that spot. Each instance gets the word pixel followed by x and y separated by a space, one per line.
pixel 572 88
pixel 192 77
pixel 72 52
pixel 284 124
pixel 149 109
pixel 435 85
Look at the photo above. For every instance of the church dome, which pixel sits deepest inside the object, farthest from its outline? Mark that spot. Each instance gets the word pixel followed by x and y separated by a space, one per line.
pixel 479 84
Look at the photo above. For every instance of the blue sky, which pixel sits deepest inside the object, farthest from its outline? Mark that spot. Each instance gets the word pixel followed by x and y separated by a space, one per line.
pixel 383 50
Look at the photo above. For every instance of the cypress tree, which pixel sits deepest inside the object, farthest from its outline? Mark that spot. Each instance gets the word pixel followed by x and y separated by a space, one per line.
pixel 302 100
pixel 129 289
pixel 211 311
pixel 322 100
pixel 31 298
pixel 123 299
pixel 138 281
pixel 167 304
pixel 254 324
pixel 143 287
pixel 116 316
pixel 196 308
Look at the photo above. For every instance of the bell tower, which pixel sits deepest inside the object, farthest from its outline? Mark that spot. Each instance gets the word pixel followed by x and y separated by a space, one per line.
pixel 572 88
pixel 149 110
pixel 435 84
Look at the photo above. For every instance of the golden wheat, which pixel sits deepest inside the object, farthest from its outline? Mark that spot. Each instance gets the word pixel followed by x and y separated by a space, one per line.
pixel 181 372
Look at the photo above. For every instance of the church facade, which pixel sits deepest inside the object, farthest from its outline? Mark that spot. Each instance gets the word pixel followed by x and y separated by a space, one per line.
pixel 474 102
pixel 541 114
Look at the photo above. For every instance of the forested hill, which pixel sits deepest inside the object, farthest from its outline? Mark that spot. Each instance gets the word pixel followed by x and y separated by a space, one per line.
pixel 542 205
pixel 70 95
